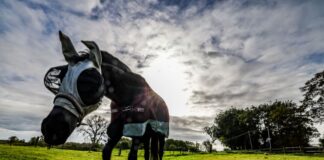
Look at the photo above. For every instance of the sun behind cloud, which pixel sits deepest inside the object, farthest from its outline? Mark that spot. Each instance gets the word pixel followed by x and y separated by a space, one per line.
pixel 166 75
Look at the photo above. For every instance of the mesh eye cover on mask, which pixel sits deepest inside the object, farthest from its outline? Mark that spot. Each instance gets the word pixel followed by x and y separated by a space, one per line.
pixel 54 77
pixel 90 85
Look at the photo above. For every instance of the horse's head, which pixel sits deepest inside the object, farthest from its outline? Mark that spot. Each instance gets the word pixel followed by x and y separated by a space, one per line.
pixel 80 88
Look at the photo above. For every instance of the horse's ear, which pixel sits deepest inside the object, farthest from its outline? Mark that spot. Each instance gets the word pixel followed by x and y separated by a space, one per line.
pixel 95 54
pixel 68 50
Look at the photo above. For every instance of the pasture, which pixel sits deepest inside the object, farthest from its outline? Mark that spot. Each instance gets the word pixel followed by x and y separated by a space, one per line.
pixel 40 153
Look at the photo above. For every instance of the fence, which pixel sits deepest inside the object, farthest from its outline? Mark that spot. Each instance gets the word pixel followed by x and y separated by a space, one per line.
pixel 298 149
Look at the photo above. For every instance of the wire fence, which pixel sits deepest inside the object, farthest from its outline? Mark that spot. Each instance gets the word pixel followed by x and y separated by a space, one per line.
pixel 296 149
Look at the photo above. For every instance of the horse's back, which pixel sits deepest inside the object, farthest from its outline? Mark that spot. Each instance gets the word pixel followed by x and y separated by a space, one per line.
pixel 159 109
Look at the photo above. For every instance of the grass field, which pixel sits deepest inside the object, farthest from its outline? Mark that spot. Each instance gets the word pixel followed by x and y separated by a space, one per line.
pixel 31 153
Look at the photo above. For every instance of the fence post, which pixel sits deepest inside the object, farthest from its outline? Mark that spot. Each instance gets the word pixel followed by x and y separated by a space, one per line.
pixel 300 149
pixel 269 139
pixel 250 140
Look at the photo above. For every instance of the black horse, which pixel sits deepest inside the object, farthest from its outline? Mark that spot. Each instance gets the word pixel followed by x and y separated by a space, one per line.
pixel 137 111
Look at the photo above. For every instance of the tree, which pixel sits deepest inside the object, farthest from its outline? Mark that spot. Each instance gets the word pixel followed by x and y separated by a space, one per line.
pixel 248 128
pixel 321 140
pixel 208 146
pixel 287 123
pixel 232 126
pixel 314 97
pixel 41 141
pixel 172 148
pixel 34 141
pixel 197 146
pixel 192 147
pixel 123 143
pixel 13 139
pixel 179 145
pixel 94 128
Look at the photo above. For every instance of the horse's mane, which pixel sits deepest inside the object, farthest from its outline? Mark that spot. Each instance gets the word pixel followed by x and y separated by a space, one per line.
pixel 108 59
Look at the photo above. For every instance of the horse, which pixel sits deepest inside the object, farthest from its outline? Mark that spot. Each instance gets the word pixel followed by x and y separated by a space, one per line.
pixel 136 110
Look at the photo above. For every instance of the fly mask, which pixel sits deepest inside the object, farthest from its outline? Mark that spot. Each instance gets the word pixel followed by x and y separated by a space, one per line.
pixel 78 86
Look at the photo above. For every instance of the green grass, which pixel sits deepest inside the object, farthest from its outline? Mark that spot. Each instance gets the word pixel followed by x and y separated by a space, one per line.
pixel 31 153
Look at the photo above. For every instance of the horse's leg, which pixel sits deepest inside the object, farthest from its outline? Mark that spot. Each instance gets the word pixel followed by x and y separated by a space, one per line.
pixel 161 146
pixel 154 146
pixel 134 148
pixel 115 132
pixel 146 141
pixel 106 152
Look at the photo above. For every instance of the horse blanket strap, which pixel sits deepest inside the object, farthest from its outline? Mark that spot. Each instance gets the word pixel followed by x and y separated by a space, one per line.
pixel 59 98
pixel 128 109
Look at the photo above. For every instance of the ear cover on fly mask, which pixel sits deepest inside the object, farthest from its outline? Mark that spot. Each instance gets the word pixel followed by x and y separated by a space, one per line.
pixel 95 53
pixel 68 50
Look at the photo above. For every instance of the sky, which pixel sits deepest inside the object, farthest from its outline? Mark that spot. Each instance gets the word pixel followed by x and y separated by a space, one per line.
pixel 201 57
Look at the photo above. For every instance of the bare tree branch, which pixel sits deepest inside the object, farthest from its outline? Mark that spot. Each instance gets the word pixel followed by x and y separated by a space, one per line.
pixel 95 129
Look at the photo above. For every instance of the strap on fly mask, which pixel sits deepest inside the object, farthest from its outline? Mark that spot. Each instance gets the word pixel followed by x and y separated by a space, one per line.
pixel 63 80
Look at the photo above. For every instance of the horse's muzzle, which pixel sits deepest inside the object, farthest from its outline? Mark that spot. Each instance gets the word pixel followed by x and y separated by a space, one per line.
pixel 56 129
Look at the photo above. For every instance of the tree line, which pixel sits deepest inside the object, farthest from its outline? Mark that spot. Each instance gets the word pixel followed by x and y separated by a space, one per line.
pixel 173 145
pixel 274 124
pixel 179 146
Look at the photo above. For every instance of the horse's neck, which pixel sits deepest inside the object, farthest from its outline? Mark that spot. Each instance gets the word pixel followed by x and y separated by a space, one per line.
pixel 124 92
pixel 122 86
pixel 135 97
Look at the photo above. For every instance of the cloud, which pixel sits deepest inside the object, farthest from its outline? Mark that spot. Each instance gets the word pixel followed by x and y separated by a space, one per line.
pixel 200 56
pixel 26 135
pixel 258 53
